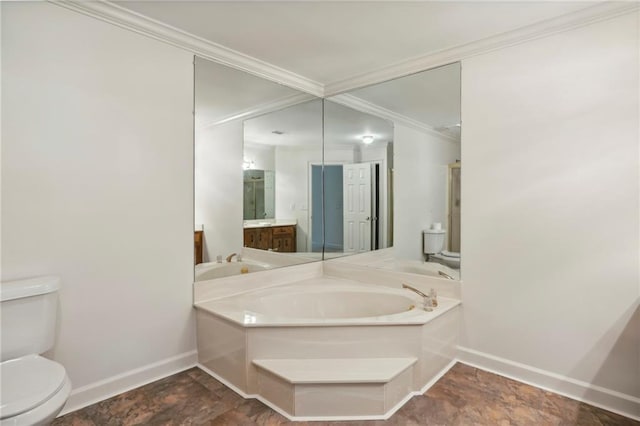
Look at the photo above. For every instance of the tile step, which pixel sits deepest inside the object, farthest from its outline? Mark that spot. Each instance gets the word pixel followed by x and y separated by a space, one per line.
pixel 328 387
pixel 335 370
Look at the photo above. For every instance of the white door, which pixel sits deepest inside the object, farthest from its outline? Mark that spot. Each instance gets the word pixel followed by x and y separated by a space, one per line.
pixel 357 207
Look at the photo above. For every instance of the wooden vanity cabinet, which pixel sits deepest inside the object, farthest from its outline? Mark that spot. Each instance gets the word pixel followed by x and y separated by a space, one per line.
pixel 276 238
pixel 284 239
pixel 197 240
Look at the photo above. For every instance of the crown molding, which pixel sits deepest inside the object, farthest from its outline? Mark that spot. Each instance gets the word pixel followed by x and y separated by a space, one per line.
pixel 133 21
pixel 361 105
pixel 590 15
pixel 261 109
pixel 138 23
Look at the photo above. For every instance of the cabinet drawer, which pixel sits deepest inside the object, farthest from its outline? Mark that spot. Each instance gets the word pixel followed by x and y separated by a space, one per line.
pixel 282 230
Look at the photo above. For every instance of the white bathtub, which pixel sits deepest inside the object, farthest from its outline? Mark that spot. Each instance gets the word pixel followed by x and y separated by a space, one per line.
pixel 317 348
pixel 422 268
pixel 212 270
pixel 386 259
pixel 325 301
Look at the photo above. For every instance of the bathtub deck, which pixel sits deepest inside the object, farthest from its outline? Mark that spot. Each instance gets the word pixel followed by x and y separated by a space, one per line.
pixel 233 308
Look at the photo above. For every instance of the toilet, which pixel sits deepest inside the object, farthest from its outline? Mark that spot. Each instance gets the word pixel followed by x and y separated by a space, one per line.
pixel 448 258
pixel 34 388
pixel 433 242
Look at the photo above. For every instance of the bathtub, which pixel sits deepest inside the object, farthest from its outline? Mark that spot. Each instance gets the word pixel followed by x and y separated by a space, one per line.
pixel 385 259
pixel 422 268
pixel 326 348
pixel 325 301
pixel 213 270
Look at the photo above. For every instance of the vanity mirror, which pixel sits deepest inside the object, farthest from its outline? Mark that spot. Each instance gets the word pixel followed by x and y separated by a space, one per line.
pixel 255 144
pixel 258 197
pixel 415 200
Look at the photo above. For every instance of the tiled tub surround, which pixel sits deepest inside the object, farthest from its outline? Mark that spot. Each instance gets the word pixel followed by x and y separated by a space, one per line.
pixel 326 342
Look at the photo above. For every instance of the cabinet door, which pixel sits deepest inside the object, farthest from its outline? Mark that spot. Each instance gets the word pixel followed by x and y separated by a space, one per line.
pixel 264 238
pixel 197 240
pixel 251 238
pixel 282 244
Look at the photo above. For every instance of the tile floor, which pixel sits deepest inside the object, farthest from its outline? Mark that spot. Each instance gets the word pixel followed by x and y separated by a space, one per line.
pixel 463 396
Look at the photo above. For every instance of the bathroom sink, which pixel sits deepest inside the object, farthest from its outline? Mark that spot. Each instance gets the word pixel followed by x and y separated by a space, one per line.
pixel 257 225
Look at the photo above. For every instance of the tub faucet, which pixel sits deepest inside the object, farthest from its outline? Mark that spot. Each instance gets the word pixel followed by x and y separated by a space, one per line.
pixel 427 301
pixel 444 274
pixel 231 256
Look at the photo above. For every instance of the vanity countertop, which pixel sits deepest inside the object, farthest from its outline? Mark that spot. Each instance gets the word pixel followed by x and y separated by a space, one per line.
pixel 267 224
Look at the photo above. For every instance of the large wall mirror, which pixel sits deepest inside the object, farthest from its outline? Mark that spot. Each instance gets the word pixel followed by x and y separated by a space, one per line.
pixel 371 176
pixel 401 192
pixel 256 146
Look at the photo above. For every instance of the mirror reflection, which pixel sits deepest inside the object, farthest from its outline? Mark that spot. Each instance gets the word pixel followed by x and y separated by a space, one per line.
pixel 282 178
pixel 422 173
pixel 251 193
pixel 288 142
pixel 259 194
pixel 358 149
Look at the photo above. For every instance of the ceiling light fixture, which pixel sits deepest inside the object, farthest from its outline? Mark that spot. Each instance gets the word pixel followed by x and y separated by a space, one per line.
pixel 367 139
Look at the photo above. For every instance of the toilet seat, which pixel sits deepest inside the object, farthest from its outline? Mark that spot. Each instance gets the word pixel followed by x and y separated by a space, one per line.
pixel 27 383
pixel 450 261
pixel 452 254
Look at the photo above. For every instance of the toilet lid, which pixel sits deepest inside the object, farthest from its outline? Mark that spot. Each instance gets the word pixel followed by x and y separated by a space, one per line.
pixel 450 253
pixel 27 382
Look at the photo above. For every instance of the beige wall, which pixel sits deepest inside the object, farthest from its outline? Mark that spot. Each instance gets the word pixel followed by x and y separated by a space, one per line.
pixel 218 188
pixel 550 209
pixel 97 187
pixel 420 186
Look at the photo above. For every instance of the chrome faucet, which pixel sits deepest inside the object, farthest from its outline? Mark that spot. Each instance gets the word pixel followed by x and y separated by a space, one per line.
pixel 427 302
pixel 444 274
pixel 231 256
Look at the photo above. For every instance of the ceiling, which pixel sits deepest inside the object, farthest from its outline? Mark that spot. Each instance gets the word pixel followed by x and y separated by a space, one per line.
pixel 223 92
pixel 329 41
pixel 430 97
pixel 302 124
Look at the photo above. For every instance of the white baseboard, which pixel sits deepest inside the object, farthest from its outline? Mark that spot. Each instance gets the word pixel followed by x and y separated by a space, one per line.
pixel 607 399
pixel 435 378
pixel 104 389
pixel 617 402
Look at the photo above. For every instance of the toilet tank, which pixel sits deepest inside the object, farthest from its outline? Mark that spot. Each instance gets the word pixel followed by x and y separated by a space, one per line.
pixel 28 316
pixel 433 240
